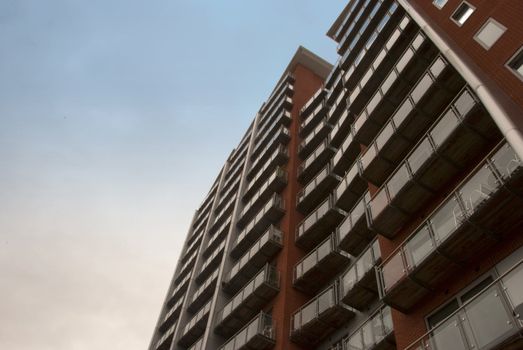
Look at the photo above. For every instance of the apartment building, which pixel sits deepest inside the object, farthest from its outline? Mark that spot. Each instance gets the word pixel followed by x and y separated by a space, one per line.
pixel 376 203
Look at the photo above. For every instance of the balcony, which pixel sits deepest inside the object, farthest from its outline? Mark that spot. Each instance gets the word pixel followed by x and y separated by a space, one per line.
pixel 350 188
pixel 274 184
pixel 359 286
pixel 341 129
pixel 407 71
pixel 260 170
pixel 473 218
pixel 259 334
pixel 346 155
pixel 319 266
pixel 217 237
pixel 490 320
pixel 314 162
pixel 195 328
pixel 271 213
pixel 179 290
pixel 338 105
pixel 164 343
pixel 253 260
pixel 313 139
pixel 265 147
pixel 312 103
pixel 171 316
pixel 377 333
pixel 248 302
pixel 312 194
pixel 342 30
pixel 462 135
pixel 411 120
pixel 280 116
pixel 358 26
pixel 315 227
pixel 204 292
pixel 313 119
pixel 354 233
pixel 317 319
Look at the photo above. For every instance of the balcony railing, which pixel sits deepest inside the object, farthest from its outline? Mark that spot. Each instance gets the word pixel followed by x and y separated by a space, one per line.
pixel 281 117
pixel 319 266
pixel 259 334
pixel 356 23
pixel 314 138
pixel 248 301
pixel 267 145
pixel 312 193
pixel 315 161
pixel 179 290
pixel 211 262
pixel 342 30
pixel 411 120
pixel 318 224
pixel 261 169
pixel 164 343
pixel 359 286
pixel 271 213
pixel 313 118
pixel 217 237
pixel 312 103
pixel 377 333
pixel 253 260
pixel 337 104
pixel 275 183
pixel 351 187
pixel 474 217
pixel 171 316
pixel 346 155
pixel 354 233
pixel 317 319
pixel 463 133
pixel 492 319
pixel 195 328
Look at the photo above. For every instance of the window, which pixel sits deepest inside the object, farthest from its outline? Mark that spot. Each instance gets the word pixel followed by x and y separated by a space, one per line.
pixel 462 13
pixel 516 63
pixel 489 33
pixel 439 3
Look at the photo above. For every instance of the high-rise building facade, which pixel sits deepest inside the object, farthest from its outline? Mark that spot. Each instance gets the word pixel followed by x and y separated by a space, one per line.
pixel 372 204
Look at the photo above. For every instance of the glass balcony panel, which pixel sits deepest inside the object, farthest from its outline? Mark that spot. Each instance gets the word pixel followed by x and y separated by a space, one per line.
pixel 365 262
pixel 382 23
pixel 366 77
pixel 373 103
pixel 371 40
pixel 358 211
pixel 420 154
pixel 377 328
pixel 355 342
pixel 387 320
pixel 393 270
pixel 379 202
pixel 309 262
pixel 369 155
pixel 241 338
pixel 324 249
pixel 421 88
pixel 478 189
pixel 513 285
pixel 445 220
pixel 252 329
pixel 404 60
pixel 377 61
pixel 391 78
pixel 308 313
pixel 419 246
pixel 437 67
pixel 349 279
pixel 326 301
pixel 506 161
pixel 416 43
pixel 384 135
pixel 368 335
pixel 449 336
pixel 392 40
pixel 402 112
pixel 464 103
pixel 398 180
pixel 444 127
pixel 358 123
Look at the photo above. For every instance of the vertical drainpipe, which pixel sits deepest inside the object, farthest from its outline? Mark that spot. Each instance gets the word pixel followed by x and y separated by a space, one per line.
pixel 484 89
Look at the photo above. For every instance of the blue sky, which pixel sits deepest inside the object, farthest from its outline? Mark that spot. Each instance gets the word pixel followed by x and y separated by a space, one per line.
pixel 115 118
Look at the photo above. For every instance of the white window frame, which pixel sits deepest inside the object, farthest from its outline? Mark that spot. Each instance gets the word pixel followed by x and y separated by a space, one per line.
pixel 463 3
pixel 515 72
pixel 487 22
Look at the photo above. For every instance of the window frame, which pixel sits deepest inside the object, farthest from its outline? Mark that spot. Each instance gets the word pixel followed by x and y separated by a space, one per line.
pixel 487 22
pixel 519 52
pixel 456 21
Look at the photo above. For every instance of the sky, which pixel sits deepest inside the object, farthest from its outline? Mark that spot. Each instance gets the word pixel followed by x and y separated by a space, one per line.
pixel 115 118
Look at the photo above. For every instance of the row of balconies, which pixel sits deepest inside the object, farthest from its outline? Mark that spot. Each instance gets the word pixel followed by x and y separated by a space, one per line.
pixel 210 262
pixel 186 267
pixel 376 333
pixel 171 316
pixel 227 196
pixel 271 213
pixel 342 29
pixel 463 132
pixel 195 328
pixel 480 211
pixel 192 247
pixel 317 319
pixel 179 290
pixel 310 113
pixel 282 137
pixel 314 191
pixel 275 183
pixel 248 301
pixel 427 99
pixel 279 133
pixel 280 116
pixel 234 173
pixel 319 266
pixel 164 342
pixel 259 254
pixel 258 334
pixel 284 88
pixel 198 345
pixel 318 224
pixel 217 237
pixel 260 168
pixel 337 107
pixel 492 319
pixel 355 24
pixel 225 213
